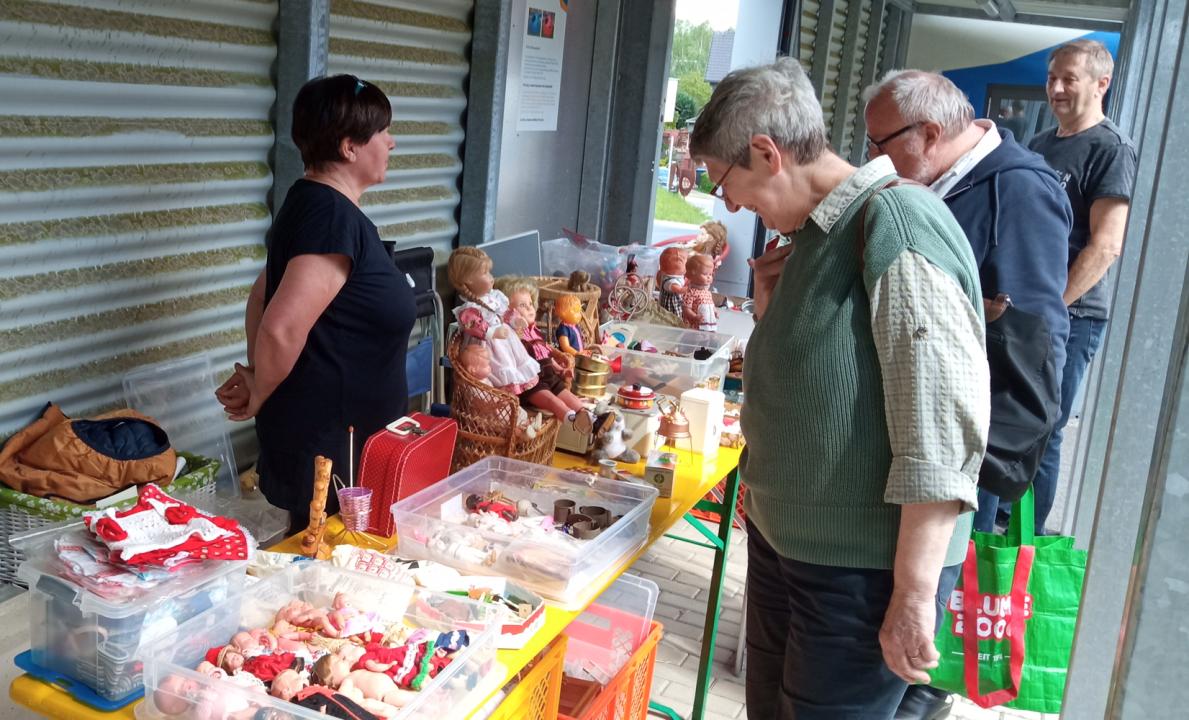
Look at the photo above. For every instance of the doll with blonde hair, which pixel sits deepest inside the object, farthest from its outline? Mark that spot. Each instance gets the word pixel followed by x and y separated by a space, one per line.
pixel 552 392
pixel 469 271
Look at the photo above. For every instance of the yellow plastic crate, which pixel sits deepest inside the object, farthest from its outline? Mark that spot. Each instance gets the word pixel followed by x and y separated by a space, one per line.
pixel 537 695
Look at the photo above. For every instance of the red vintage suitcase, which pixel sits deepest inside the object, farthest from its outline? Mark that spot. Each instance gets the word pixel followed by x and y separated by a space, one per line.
pixel 408 455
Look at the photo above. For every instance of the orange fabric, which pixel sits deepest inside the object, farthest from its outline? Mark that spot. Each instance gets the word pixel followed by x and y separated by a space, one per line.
pixel 47 459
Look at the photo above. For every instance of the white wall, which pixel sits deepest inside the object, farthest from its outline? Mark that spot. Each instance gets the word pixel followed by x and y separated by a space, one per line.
pixel 756 34
pixel 947 43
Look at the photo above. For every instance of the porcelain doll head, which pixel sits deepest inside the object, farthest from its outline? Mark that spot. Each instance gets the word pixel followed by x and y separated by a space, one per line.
pixel 568 309
pixel 522 298
pixel 286 684
pixel 475 359
pixel 330 670
pixel 672 261
pixel 699 270
pixel 469 271
pixel 175 694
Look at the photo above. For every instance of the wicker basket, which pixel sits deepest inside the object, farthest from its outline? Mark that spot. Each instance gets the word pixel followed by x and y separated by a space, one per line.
pixel 20 512
pixel 549 289
pixel 486 418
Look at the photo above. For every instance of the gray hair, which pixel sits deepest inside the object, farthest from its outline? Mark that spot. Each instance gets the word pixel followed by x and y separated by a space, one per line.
pixel 1099 62
pixel 925 97
pixel 776 100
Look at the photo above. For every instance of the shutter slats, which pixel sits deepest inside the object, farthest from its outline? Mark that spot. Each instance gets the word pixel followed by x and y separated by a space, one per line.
pixel 134 143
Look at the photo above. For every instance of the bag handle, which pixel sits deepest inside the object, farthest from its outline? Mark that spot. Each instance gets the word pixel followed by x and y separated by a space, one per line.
pixel 971 599
pixel 405 426
pixel 1021 529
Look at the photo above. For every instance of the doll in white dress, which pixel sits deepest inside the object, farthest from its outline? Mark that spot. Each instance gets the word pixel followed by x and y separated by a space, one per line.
pixel 512 368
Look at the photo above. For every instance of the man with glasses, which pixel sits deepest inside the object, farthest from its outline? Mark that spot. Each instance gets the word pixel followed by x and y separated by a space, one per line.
pixel 1016 218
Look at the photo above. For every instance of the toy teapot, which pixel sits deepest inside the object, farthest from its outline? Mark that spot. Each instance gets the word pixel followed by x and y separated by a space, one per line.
pixel 674 423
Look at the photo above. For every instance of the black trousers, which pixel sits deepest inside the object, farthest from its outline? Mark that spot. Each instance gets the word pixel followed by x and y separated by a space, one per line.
pixel 813 648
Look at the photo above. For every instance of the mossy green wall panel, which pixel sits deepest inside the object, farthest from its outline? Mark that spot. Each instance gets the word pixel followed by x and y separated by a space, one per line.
pixel 416 52
pixel 134 172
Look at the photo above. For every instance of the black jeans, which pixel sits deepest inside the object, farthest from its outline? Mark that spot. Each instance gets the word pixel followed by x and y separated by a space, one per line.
pixel 813 648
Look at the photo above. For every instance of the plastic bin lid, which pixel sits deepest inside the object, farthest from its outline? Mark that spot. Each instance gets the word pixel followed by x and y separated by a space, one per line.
pixel 43 563
pixel 180 396
pixel 632 595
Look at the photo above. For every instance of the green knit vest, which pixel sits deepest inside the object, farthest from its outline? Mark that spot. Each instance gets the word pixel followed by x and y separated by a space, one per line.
pixel 818 455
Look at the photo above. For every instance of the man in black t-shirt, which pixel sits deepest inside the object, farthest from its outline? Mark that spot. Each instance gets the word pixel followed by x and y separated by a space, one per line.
pixel 1095 162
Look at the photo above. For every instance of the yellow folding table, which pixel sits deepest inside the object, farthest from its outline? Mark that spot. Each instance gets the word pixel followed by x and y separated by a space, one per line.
pixel 695 478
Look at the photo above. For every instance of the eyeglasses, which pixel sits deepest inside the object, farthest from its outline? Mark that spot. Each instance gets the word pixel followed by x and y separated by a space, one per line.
pixel 878 144
pixel 717 191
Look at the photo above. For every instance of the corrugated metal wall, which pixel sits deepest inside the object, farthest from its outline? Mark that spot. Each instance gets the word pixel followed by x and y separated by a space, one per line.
pixel 134 141
pixel 837 51
pixel 419 59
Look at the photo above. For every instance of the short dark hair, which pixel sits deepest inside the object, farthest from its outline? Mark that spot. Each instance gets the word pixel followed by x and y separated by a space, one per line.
pixel 328 109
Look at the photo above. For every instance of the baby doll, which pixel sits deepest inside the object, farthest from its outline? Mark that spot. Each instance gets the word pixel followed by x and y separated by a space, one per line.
pixel 670 279
pixel 286 684
pixel 469 270
pixel 290 638
pixel 334 672
pixel 697 303
pixel 304 615
pixel 350 622
pixel 476 361
pixel 569 314
pixel 552 392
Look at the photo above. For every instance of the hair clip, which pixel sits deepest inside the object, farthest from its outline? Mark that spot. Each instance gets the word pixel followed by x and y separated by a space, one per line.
pixel 359 86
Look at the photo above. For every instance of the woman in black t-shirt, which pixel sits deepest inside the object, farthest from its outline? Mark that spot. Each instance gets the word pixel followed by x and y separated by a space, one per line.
pixel 328 319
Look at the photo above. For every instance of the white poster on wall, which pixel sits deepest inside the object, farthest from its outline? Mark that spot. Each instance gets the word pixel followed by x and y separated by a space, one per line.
pixel 540 66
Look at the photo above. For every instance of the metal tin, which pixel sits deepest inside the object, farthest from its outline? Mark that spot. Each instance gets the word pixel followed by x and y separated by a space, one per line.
pixel 636 397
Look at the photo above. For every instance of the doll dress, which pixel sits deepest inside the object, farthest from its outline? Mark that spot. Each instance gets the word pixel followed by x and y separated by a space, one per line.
pixel 511 364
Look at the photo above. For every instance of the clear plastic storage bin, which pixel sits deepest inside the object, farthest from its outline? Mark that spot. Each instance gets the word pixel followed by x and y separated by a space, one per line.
pixel 99 641
pixel 669 374
pixel 459 687
pixel 603 638
pixel 432 525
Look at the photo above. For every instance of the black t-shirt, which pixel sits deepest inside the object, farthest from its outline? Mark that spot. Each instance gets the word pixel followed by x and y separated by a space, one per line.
pixel 1096 163
pixel 352 368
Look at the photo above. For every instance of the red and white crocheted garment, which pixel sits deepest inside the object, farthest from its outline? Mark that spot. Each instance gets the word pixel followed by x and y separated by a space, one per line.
pixel 160 530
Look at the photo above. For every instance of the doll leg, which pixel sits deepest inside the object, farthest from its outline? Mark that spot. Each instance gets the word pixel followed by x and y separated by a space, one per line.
pixel 571 400
pixel 546 400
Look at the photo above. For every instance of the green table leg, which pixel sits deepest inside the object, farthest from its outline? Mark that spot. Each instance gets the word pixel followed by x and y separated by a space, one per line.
pixel 720 543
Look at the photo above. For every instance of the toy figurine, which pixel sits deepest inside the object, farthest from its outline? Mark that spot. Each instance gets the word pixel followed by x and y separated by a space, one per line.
pixel 512 368
pixel 610 433
pixel 569 314
pixel 494 503
pixel 476 361
pixel 697 303
pixel 552 393
pixel 312 544
pixel 670 279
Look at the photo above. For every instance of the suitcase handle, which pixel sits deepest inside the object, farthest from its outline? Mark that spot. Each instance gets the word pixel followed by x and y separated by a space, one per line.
pixel 405 426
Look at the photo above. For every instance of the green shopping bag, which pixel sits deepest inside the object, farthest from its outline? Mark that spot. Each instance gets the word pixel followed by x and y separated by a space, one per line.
pixel 1008 626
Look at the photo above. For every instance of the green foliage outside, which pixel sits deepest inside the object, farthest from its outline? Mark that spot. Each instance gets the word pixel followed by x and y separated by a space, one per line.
pixel 704 183
pixel 685 109
pixel 688 60
pixel 673 207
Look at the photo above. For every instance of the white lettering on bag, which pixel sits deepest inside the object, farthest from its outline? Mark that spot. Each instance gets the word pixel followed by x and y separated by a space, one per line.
pixel 992 616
